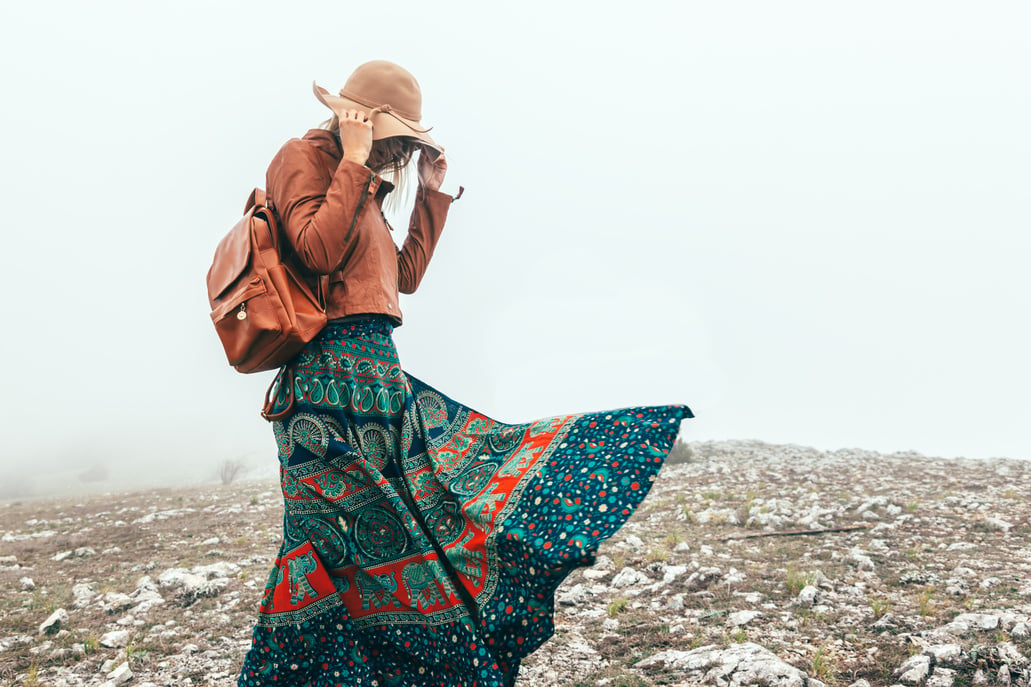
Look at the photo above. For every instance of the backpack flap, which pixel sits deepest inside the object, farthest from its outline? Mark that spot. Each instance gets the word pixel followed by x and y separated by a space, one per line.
pixel 231 259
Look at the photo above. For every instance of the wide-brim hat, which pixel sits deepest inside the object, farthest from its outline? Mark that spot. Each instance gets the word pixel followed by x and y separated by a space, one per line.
pixel 388 95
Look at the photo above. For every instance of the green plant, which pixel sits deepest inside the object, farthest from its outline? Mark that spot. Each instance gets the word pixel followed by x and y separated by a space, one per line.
pixel 617 606
pixel 739 636
pixel 32 676
pixel 925 601
pixel 824 664
pixel 796 580
pixel 879 606
pixel 913 506
pixel 134 654
pixel 657 555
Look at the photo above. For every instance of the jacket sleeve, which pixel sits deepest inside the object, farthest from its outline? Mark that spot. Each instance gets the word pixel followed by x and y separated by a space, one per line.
pixel 424 229
pixel 320 214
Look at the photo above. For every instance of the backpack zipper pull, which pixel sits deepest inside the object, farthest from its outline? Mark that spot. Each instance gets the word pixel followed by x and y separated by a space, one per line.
pixel 242 313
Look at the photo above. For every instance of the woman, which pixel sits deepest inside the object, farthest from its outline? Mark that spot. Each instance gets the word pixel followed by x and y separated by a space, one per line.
pixel 423 541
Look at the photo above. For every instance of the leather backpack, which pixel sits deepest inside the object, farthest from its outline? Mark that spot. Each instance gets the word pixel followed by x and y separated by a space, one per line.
pixel 262 304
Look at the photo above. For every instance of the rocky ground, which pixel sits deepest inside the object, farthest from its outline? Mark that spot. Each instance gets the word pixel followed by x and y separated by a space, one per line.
pixel 749 564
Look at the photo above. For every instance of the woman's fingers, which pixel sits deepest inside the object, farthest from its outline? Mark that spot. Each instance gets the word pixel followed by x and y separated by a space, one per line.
pixel 355 135
pixel 355 116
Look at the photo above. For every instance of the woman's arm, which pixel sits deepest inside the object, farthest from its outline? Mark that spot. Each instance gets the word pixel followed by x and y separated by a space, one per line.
pixel 426 224
pixel 320 213
pixel 424 229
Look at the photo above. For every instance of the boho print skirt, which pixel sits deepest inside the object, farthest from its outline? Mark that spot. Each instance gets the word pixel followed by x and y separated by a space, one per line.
pixel 423 541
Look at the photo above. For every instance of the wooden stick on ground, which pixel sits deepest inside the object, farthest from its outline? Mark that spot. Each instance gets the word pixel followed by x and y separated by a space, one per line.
pixel 797 533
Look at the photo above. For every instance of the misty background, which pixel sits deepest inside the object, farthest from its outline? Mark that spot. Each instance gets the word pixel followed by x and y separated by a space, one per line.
pixel 807 220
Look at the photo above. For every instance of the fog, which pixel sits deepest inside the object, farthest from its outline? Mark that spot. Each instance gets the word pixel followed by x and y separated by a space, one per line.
pixel 808 221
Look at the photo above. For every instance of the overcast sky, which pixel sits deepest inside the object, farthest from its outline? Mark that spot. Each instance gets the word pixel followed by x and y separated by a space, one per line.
pixel 807 220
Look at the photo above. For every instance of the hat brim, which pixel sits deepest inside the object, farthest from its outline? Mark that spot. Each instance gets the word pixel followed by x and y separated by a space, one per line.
pixel 384 124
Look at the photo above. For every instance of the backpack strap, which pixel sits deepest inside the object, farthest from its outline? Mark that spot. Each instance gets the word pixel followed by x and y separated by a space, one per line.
pixel 285 376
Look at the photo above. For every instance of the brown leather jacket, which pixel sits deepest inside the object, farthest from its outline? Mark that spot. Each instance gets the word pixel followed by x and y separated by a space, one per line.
pixel 331 211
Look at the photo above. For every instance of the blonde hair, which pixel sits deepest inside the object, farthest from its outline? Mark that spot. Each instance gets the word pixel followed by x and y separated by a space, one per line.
pixel 390 158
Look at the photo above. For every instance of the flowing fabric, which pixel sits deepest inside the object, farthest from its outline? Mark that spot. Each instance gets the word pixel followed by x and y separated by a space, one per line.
pixel 423 541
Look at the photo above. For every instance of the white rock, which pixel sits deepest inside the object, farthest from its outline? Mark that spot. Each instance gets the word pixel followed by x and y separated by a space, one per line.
pixel 120 675
pixel 914 670
pixel 1009 653
pixel 60 556
pixel 673 572
pixel 998 524
pixel 977 621
pixel 859 559
pixel 84 551
pixel 961 546
pixel 52 624
pixel 573 596
pixel 116 601
pixel 209 542
pixel 593 574
pixel 742 618
pixel 941 677
pixel 734 666
pixel 115 639
pixel 946 654
pixel 27 585
pixel 703 577
pixel 633 541
pixel 628 577
pixel 1021 631
pixel 807 597
pixel 83 595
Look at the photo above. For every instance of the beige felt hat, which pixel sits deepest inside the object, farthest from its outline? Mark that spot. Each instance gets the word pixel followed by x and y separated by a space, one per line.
pixel 388 94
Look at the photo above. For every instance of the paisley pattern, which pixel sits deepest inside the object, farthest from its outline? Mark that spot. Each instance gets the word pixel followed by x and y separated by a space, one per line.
pixel 423 541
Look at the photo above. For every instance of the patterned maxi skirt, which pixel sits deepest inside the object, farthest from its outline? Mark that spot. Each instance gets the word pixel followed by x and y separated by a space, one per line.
pixel 422 541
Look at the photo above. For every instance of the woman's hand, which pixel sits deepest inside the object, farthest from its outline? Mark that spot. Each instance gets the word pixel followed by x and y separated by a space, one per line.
pixel 431 172
pixel 355 135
